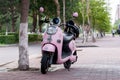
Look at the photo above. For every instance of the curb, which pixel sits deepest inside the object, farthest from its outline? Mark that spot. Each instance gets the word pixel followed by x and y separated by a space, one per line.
pixel 1 65
pixel 9 45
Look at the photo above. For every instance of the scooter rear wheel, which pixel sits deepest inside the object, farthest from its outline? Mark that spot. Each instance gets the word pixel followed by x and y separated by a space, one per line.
pixel 45 64
pixel 67 64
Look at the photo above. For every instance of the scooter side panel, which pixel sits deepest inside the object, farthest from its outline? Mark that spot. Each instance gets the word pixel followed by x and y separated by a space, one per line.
pixel 72 46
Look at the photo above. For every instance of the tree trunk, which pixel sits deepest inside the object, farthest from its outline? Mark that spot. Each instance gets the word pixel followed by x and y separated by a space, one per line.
pixel 93 36
pixel 92 31
pixel 40 24
pixel 88 20
pixel 14 17
pixel 13 21
pixel 34 20
pixel 83 25
pixel 0 27
pixel 23 37
pixel 13 26
pixel 58 7
pixel 34 15
pixel 64 12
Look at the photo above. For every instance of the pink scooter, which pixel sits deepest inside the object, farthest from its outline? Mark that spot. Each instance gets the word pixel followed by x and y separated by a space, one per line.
pixel 58 47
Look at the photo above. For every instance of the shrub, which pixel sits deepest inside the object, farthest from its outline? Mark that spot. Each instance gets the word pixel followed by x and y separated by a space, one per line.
pixel 7 39
pixel 16 34
pixel 12 38
pixel 34 37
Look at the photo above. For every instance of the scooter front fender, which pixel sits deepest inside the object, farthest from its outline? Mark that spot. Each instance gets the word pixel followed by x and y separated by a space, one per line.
pixel 49 48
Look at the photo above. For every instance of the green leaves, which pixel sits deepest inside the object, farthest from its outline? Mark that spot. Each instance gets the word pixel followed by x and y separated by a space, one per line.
pixel 100 16
pixel 8 10
pixel 97 13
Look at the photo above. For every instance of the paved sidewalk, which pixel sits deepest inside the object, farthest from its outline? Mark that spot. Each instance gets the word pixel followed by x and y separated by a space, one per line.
pixel 93 64
pixel 96 63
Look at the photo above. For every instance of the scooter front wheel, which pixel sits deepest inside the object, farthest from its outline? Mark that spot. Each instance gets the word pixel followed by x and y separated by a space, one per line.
pixel 67 64
pixel 45 64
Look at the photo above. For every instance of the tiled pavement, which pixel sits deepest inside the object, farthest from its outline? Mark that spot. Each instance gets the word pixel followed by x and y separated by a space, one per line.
pixel 93 64
pixel 96 63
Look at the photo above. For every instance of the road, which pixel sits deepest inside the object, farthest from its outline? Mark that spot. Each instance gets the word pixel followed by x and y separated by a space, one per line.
pixel 11 53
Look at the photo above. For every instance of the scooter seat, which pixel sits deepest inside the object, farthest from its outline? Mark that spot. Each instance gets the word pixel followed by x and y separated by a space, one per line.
pixel 67 37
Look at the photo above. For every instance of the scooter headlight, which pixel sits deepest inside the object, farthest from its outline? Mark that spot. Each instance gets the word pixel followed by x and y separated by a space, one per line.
pixel 51 30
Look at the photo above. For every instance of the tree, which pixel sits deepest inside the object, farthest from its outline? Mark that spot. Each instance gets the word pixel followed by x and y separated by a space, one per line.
pixel 88 21
pixel 92 16
pixel 34 11
pixel 23 37
pixel 100 19
pixel 14 10
pixel 63 11
pixel 58 7
pixel 9 12
pixel 50 11
pixel 83 10
pixel 116 24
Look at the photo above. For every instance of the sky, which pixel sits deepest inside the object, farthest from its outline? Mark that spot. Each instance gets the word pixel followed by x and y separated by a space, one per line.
pixel 113 5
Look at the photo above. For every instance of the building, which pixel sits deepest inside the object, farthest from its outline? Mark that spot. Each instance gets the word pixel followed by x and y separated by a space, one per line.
pixel 118 12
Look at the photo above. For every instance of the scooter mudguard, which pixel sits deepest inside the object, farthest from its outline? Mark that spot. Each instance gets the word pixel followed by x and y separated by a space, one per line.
pixel 49 48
